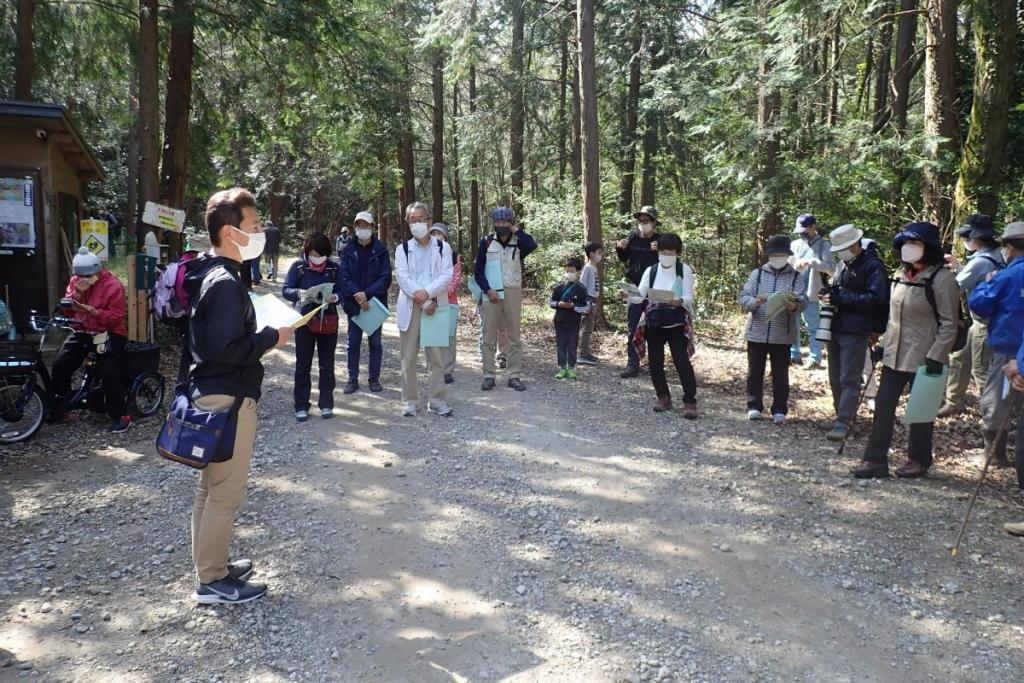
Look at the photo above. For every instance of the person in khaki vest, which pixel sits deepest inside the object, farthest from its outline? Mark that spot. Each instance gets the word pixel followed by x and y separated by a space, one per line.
pixel 502 308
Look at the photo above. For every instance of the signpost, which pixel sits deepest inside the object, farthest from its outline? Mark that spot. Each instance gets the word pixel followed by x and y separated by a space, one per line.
pixel 164 217
pixel 95 238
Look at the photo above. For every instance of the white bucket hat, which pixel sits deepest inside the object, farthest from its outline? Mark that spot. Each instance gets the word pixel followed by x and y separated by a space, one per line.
pixel 363 216
pixel 844 237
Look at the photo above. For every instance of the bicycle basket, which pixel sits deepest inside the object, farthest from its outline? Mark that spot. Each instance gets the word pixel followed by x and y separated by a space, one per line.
pixel 141 357
pixel 17 357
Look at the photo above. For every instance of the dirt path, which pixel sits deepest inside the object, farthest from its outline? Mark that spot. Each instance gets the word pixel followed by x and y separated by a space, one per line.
pixel 563 534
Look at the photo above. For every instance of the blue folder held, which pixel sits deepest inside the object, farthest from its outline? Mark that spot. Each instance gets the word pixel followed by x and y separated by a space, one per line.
pixel 453 312
pixel 925 397
pixel 492 271
pixel 373 317
pixel 434 328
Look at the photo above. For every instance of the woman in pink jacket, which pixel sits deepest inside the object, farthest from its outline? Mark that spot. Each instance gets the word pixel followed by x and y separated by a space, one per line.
pixel 440 231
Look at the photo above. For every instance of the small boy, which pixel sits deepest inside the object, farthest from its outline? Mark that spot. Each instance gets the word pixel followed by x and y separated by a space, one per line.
pixel 571 302
pixel 589 280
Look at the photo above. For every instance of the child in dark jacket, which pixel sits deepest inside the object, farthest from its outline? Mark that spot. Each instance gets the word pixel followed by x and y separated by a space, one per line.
pixel 571 302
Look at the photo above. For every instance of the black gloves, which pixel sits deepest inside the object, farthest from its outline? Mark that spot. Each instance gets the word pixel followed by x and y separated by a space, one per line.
pixel 932 367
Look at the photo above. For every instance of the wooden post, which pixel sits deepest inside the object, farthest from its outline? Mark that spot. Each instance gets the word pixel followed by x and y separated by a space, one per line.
pixel 133 322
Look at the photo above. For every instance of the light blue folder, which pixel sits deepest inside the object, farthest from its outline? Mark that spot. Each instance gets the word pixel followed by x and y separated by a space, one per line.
pixel 492 272
pixel 372 318
pixel 434 328
pixel 475 290
pixel 925 397
pixel 453 312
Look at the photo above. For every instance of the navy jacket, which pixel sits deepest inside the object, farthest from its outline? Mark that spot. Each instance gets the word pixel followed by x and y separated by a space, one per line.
pixel 378 275
pixel 861 295
pixel 525 245
pixel 301 276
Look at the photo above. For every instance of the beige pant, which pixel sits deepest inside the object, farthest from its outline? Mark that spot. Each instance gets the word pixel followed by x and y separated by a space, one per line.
pixel 450 354
pixel 507 314
pixel 221 492
pixel 437 390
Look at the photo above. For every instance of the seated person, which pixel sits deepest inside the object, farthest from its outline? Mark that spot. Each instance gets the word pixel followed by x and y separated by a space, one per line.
pixel 98 304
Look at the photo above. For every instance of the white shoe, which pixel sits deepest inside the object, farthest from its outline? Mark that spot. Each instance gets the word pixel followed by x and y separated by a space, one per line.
pixel 753 415
pixel 778 418
pixel 441 409
pixel 409 410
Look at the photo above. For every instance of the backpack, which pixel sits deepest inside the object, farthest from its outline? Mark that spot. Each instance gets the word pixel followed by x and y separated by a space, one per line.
pixel 963 320
pixel 664 316
pixel 440 250
pixel 167 305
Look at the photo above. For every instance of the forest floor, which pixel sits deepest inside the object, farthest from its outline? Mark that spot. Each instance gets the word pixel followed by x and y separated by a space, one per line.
pixel 566 533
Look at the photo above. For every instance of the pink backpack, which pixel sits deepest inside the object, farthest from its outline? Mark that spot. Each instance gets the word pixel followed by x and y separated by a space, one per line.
pixel 170 302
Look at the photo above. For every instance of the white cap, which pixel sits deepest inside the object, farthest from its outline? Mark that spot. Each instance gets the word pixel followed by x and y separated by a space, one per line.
pixel 200 242
pixel 85 263
pixel 364 216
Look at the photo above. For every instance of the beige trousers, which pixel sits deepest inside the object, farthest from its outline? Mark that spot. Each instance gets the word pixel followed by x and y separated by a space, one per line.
pixel 506 314
pixel 221 492
pixel 437 390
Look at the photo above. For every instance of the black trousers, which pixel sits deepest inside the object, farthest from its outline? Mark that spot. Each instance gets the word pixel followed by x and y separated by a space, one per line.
pixel 657 337
pixel 757 355
pixel 890 388
pixel 567 339
pixel 325 345
pixel 109 366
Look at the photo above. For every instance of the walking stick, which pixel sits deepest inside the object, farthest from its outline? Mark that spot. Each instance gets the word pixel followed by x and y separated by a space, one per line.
pixel 860 399
pixel 1003 428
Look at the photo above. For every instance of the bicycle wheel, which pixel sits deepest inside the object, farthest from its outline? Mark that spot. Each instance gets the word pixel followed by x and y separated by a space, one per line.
pixel 22 409
pixel 146 394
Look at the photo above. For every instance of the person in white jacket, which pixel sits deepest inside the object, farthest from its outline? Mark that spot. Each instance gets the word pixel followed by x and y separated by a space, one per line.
pixel 423 267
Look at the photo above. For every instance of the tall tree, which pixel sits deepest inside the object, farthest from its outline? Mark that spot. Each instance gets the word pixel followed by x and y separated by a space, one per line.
pixel 882 62
pixel 474 181
pixel 769 106
pixel 940 125
pixel 149 105
pixel 563 101
pixel 904 69
pixel 517 127
pixel 652 130
pixel 591 187
pixel 437 166
pixel 995 43
pixel 24 66
pixel 177 109
pixel 629 124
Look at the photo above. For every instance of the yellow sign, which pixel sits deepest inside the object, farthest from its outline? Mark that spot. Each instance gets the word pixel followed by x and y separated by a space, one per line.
pixel 94 238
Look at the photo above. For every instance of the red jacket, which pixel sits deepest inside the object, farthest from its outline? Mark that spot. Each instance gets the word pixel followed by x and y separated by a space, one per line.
pixel 107 297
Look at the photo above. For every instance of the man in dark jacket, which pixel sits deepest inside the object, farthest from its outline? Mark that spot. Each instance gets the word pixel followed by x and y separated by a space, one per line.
pixel 859 299
pixel 365 274
pixel 226 373
pixel 272 250
pixel 638 252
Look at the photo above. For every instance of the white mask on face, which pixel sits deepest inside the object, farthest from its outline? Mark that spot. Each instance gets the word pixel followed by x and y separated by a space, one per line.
pixel 646 228
pixel 418 230
pixel 596 258
pixel 667 260
pixel 778 262
pixel 969 245
pixel 911 253
pixel 363 234
pixel 846 255
pixel 257 241
pixel 570 277
pixel 317 260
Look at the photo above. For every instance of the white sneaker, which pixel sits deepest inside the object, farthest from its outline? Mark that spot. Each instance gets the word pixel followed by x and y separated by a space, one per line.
pixel 409 410
pixel 441 409
pixel 753 415
pixel 778 418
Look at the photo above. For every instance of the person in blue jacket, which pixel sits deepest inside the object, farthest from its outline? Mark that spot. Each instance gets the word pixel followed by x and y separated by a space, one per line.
pixel 365 274
pixel 1000 299
pixel 314 268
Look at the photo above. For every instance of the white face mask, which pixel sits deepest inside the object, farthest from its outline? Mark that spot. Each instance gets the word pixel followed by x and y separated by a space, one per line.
pixel 646 228
pixel 570 277
pixel 418 230
pixel 778 262
pixel 911 253
pixel 596 258
pixel 363 234
pixel 846 255
pixel 257 241
pixel 667 260
pixel 317 260
pixel 969 244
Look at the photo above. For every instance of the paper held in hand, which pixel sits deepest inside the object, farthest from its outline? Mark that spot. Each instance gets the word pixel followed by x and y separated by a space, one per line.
pixel 777 303
pixel 324 291
pixel 661 296
pixel 272 312
pixel 629 288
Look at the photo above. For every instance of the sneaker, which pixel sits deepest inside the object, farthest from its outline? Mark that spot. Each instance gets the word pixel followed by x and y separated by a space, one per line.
pixel 911 469
pixel 60 418
pixel 351 387
pixel 838 433
pixel 562 373
pixel 122 425
pixel 409 410
pixel 228 591
pixel 690 411
pixel 587 359
pixel 375 386
pixel 754 415
pixel 449 378
pixel 488 384
pixel 778 418
pixel 1014 528
pixel 327 413
pixel 301 415
pixel 241 569
pixel 815 364
pixel 441 409
pixel 630 371
pixel 663 405
pixel 516 384
pixel 571 374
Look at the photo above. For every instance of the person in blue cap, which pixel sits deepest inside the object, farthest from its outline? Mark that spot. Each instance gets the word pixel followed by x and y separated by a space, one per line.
pixel 812 255
pixel 923 321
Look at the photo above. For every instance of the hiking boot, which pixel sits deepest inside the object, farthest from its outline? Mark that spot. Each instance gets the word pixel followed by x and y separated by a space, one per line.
pixel 327 413
pixel 571 374
pixel 690 411
pixel 870 470
pixel 630 371
pixel 439 408
pixel 838 433
pixel 1014 528
pixel 375 386
pixel 301 415
pixel 754 415
pixel 449 378
pixel 228 591
pixel 911 469
pixel 121 425
pixel 949 410
pixel 240 569
pixel 488 384
pixel 516 384
pixel 351 387
pixel 562 373
pixel 663 405
pixel 587 359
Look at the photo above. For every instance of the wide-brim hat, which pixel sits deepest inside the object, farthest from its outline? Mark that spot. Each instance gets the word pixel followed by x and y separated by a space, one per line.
pixel 648 211
pixel 1013 231
pixel 844 237
pixel 778 244
pixel 928 233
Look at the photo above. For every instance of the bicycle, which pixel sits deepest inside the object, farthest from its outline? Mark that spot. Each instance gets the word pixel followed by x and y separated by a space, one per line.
pixel 26 383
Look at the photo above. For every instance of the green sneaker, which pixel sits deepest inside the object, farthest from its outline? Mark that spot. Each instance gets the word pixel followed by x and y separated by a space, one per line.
pixel 571 374
pixel 561 374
